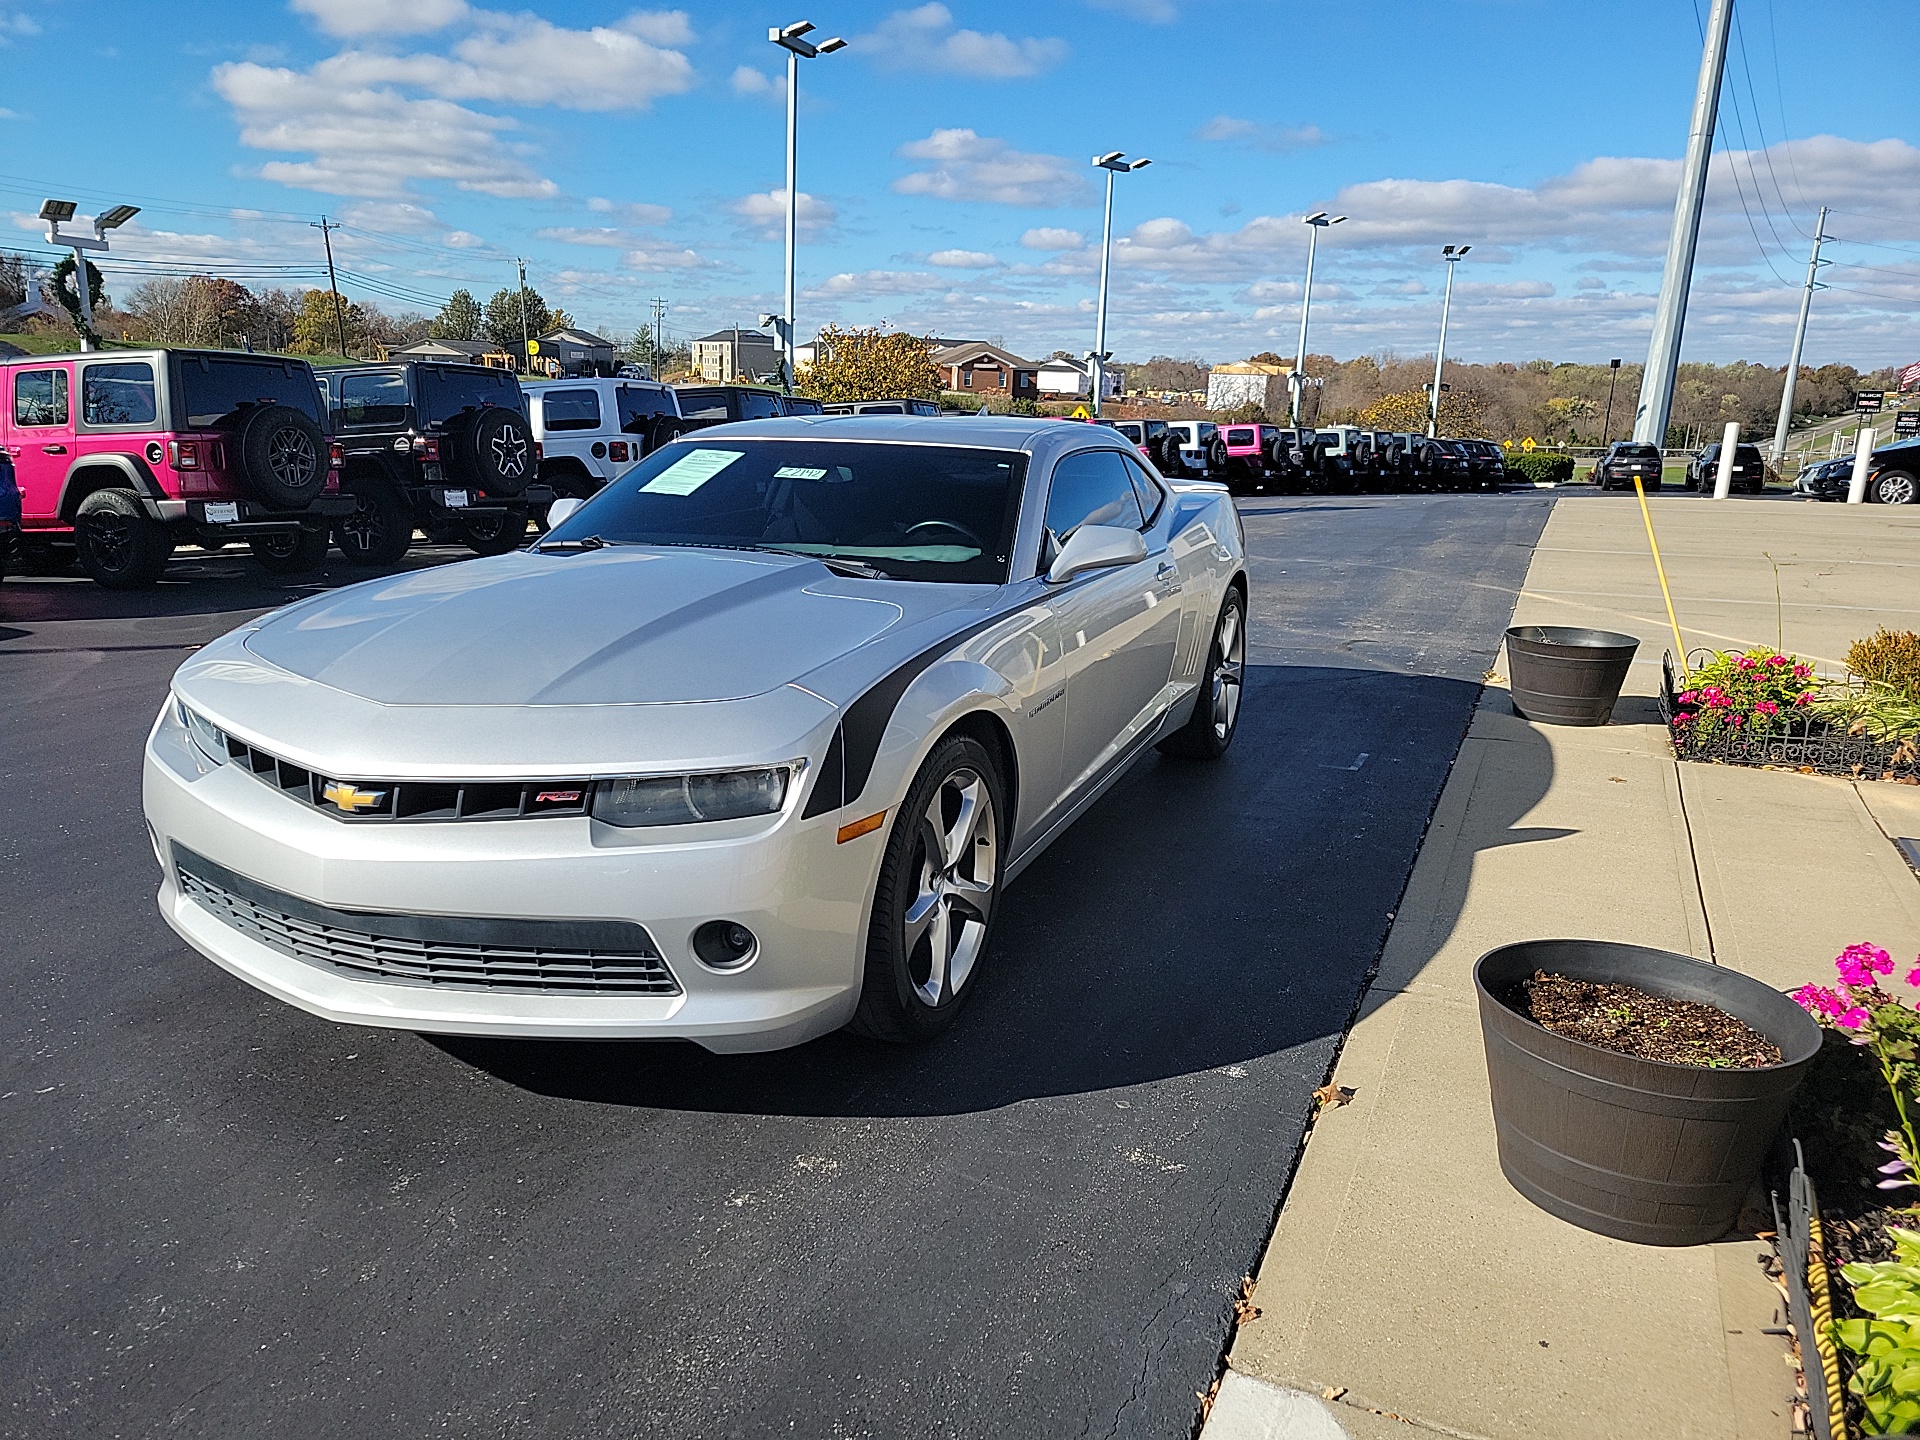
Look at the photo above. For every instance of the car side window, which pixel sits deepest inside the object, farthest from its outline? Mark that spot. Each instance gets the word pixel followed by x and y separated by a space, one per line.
pixel 1150 495
pixel 639 405
pixel 758 405
pixel 40 397
pixel 1091 488
pixel 571 409
pixel 378 398
pixel 120 393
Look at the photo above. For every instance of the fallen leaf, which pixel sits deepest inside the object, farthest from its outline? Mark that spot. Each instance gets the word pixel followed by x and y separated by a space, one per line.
pixel 1334 1095
pixel 1618 779
pixel 1244 1310
pixel 1493 677
pixel 1333 1392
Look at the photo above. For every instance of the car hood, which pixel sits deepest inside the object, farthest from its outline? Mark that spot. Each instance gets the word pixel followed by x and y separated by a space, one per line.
pixel 618 626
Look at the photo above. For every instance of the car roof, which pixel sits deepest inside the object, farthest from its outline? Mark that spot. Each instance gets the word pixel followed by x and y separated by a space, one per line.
pixel 993 432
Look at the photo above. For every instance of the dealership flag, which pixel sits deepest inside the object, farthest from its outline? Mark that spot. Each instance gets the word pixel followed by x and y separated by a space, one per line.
pixel 1910 376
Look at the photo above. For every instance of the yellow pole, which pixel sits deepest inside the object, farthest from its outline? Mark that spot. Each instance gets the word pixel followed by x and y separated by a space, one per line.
pixel 1661 570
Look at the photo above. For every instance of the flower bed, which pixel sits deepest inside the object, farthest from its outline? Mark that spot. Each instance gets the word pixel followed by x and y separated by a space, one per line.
pixel 1753 713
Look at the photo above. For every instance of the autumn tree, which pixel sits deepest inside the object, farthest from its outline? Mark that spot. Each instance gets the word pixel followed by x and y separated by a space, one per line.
pixel 315 331
pixel 459 319
pixel 871 364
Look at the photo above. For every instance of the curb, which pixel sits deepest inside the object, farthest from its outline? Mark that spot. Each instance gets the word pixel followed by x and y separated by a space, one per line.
pixel 1250 1409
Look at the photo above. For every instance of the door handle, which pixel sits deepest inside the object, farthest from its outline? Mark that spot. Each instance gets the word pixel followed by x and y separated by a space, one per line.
pixel 53 449
pixel 1167 577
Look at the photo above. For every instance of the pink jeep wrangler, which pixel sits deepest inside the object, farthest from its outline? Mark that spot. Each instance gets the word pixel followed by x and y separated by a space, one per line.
pixel 123 454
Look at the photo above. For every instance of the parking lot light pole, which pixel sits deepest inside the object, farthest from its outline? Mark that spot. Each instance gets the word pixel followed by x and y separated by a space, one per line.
pixel 1606 425
pixel 791 38
pixel 1453 255
pixel 58 212
pixel 1319 221
pixel 1114 162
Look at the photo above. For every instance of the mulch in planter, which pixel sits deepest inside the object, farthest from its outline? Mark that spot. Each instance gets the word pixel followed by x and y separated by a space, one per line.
pixel 1648 1027
pixel 1839 1114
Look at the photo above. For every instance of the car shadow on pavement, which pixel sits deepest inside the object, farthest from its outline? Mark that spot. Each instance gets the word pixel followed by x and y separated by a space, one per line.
pixel 1201 918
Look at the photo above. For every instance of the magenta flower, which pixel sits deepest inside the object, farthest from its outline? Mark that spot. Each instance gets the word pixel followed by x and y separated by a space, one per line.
pixel 1851 1019
pixel 1870 956
pixel 1766 707
pixel 1819 1000
pixel 1747 662
pixel 1853 974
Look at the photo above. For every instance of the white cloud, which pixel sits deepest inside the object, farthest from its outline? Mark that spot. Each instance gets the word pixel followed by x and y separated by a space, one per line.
pixel 878 282
pixel 968 166
pixel 963 259
pixel 1050 237
pixel 1154 12
pixel 609 236
pixel 923 38
pixel 767 211
pixel 6 114
pixel 659 260
pixel 371 142
pixel 382 17
pixel 638 213
pixel 758 84
pixel 1262 135
pixel 16 23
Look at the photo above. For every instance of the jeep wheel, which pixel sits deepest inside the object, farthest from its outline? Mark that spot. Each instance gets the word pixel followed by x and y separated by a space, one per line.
pixel 379 530
pixel 120 548
pixel 491 451
pixel 283 456
pixel 290 552
pixel 494 533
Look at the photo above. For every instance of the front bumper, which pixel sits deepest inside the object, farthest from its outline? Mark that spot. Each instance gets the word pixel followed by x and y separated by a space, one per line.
pixel 804 897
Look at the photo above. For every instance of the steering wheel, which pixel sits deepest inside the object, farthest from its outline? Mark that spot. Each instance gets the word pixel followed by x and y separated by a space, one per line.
pixel 953 525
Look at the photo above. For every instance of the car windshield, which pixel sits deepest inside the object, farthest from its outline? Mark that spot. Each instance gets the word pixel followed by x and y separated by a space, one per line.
pixel 916 512
pixel 213 388
pixel 445 391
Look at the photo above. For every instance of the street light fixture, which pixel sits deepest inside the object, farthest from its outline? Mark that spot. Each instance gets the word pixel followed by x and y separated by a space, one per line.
pixel 57 213
pixel 1319 221
pixel 1453 255
pixel 1114 162
pixel 791 38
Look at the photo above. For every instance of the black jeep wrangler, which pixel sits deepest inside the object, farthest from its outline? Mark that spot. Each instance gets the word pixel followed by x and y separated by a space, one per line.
pixel 445 449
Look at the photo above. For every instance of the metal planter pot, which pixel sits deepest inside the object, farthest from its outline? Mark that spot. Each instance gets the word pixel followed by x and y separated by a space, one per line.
pixel 1637 1149
pixel 1564 675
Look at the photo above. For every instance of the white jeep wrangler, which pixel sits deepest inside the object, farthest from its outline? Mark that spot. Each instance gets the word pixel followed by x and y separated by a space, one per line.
pixel 594 430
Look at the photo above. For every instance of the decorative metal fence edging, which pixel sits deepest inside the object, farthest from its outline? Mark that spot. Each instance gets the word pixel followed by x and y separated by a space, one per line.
pixel 1810 745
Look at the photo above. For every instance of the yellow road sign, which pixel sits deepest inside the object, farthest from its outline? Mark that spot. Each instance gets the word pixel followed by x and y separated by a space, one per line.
pixel 1507 443
pixel 1080 412
pixel 1528 445
pixel 533 347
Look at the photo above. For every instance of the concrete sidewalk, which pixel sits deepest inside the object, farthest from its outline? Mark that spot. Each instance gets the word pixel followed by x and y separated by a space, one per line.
pixel 1406 1282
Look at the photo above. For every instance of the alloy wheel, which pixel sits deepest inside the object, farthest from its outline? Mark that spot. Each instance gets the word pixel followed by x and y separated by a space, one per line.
pixel 1229 673
pixel 365 525
pixel 291 457
pixel 509 451
pixel 1897 489
pixel 955 865
pixel 110 538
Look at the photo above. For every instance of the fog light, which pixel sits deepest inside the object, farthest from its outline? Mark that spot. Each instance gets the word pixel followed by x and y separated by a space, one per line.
pixel 724 945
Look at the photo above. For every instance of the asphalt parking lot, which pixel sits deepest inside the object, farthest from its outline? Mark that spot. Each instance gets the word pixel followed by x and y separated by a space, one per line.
pixel 225 1217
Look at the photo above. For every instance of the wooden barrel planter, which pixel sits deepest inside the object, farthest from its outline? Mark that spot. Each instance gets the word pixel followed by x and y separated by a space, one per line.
pixel 1564 675
pixel 1638 1149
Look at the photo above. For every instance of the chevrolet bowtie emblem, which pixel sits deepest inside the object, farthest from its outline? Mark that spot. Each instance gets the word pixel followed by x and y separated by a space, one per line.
pixel 343 796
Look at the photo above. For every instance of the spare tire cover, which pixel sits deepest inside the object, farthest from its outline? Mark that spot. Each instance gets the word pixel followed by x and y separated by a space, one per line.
pixel 283 457
pixel 492 451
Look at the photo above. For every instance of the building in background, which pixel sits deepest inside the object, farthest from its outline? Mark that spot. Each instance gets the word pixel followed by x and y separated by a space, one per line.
pixel 1067 379
pixel 1250 382
pixel 977 368
pixel 727 356
pixel 465 352
pixel 572 351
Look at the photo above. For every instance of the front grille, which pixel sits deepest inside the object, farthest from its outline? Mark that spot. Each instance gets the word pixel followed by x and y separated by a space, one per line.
pixel 411 799
pixel 555 957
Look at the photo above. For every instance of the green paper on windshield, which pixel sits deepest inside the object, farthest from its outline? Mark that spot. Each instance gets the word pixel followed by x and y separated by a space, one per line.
pixel 690 472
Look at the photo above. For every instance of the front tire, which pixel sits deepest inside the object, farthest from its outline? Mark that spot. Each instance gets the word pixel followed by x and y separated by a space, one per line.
pixel 120 547
pixel 1216 711
pixel 934 900
pixel 1895 487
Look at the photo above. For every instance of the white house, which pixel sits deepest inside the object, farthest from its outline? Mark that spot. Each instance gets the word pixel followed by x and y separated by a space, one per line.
pixel 1066 379
pixel 1251 382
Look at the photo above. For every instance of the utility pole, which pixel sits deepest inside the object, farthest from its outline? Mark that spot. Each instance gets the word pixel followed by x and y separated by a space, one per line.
pixel 1663 351
pixel 1814 262
pixel 526 355
pixel 1606 425
pixel 1453 256
pixel 659 336
pixel 326 227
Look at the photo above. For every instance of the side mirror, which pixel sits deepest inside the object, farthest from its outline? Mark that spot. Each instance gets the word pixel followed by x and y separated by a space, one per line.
pixel 1096 547
pixel 562 508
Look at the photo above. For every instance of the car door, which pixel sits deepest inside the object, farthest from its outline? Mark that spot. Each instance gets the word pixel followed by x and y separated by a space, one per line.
pixel 1117 629
pixel 40 437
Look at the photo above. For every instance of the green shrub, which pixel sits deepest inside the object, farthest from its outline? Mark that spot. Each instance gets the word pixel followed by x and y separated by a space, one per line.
pixel 1541 466
pixel 1890 658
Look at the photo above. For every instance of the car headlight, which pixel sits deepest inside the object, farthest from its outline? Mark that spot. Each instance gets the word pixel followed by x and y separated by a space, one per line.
pixel 209 739
pixel 689 799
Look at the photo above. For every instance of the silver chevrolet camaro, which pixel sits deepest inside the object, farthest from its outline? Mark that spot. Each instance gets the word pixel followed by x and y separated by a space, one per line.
pixel 743 751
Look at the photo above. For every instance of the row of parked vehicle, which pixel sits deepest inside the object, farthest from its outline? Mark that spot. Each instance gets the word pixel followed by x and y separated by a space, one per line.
pixel 1341 459
pixel 117 458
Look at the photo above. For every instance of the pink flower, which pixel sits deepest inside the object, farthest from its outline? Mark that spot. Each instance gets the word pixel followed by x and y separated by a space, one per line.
pixel 1747 662
pixel 1870 956
pixel 1913 976
pixel 1682 718
pixel 1767 707
pixel 1853 974
pixel 1778 660
pixel 1851 1019
pixel 1819 1000
pixel 1803 697
pixel 1801 672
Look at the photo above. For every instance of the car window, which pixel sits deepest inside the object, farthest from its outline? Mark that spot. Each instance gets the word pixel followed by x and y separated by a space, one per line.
pixel 118 393
pixel 922 407
pixel 917 512
pixel 758 404
pixel 377 399
pixel 570 409
pixel 704 404
pixel 800 405
pixel 40 397
pixel 1091 488
pixel 1240 435
pixel 882 409
pixel 1150 496
pixel 213 388
pixel 638 405
pixel 444 391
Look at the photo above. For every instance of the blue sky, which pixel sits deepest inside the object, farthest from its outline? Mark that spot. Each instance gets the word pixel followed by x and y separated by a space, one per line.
pixel 634 153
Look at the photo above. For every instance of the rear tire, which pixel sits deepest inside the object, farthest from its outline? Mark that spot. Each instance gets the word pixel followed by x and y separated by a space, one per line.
pixel 291 552
pixel 1216 711
pixel 933 902
pixel 120 547
pixel 495 534
pixel 1895 487
pixel 380 528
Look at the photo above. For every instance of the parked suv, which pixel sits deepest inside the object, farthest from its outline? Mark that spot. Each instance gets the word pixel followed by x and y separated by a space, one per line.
pixel 1749 470
pixel 1486 463
pixel 880 407
pixel 722 404
pixel 591 431
pixel 441 448
pixel 1623 461
pixel 121 455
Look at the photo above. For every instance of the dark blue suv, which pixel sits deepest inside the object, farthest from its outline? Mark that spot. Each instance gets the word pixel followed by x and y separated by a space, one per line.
pixel 9 515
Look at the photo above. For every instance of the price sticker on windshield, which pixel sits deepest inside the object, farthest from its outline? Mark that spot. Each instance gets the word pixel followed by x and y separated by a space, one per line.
pixel 690 472
pixel 799 472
